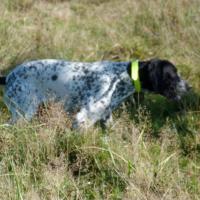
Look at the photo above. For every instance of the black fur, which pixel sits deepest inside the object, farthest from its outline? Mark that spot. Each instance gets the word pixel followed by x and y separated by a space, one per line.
pixel 158 76
pixel 3 80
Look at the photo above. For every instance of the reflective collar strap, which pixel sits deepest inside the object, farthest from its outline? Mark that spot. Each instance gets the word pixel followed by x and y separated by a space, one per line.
pixel 135 75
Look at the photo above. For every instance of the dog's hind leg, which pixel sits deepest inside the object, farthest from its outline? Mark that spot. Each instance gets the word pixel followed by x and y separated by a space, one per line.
pixel 22 104
pixel 22 112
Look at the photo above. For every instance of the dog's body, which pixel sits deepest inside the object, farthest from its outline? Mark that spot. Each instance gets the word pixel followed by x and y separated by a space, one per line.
pixel 91 90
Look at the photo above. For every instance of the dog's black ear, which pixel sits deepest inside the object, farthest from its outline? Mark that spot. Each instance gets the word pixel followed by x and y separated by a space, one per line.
pixel 155 74
pixel 168 77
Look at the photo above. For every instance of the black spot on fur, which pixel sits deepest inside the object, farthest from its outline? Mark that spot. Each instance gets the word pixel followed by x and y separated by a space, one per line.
pixel 54 77
pixel 2 80
pixel 34 68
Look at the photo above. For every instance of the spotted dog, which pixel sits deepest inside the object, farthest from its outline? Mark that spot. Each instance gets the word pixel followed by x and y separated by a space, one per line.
pixel 91 90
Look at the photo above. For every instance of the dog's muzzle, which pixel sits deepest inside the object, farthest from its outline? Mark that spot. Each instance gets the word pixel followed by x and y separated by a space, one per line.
pixel 182 88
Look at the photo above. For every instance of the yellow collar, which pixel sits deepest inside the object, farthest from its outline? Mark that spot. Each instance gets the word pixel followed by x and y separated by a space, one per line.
pixel 135 75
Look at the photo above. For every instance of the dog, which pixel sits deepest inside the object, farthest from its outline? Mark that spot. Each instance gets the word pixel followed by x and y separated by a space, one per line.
pixel 89 91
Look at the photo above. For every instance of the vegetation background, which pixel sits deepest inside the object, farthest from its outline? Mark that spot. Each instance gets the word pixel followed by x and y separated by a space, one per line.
pixel 152 151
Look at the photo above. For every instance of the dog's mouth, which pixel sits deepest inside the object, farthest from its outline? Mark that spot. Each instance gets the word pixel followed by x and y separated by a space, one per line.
pixel 176 91
pixel 182 88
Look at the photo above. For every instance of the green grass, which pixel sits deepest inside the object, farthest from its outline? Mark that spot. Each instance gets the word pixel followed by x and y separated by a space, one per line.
pixel 152 151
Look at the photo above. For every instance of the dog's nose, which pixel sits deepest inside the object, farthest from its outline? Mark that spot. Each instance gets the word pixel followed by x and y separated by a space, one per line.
pixel 183 87
pixel 188 87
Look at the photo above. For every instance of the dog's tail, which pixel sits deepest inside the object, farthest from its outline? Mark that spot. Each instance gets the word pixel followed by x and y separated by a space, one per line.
pixel 3 80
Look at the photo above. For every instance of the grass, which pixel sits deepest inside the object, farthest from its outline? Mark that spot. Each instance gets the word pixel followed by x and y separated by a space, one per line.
pixel 152 151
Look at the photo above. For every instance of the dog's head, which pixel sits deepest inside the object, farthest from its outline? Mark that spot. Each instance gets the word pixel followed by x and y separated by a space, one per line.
pixel 160 76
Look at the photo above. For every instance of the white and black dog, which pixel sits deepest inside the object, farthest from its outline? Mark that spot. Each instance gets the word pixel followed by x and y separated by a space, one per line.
pixel 91 90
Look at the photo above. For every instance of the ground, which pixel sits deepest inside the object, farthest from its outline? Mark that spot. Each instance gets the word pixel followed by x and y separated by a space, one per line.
pixel 152 150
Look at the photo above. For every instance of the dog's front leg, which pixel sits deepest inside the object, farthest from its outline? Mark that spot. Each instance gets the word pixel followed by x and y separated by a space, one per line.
pixel 106 121
pixel 94 112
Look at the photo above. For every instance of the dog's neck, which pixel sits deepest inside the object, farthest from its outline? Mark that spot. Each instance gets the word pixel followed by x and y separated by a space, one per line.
pixel 143 74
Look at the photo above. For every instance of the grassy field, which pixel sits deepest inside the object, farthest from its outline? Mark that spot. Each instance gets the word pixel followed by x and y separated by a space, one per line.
pixel 152 151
